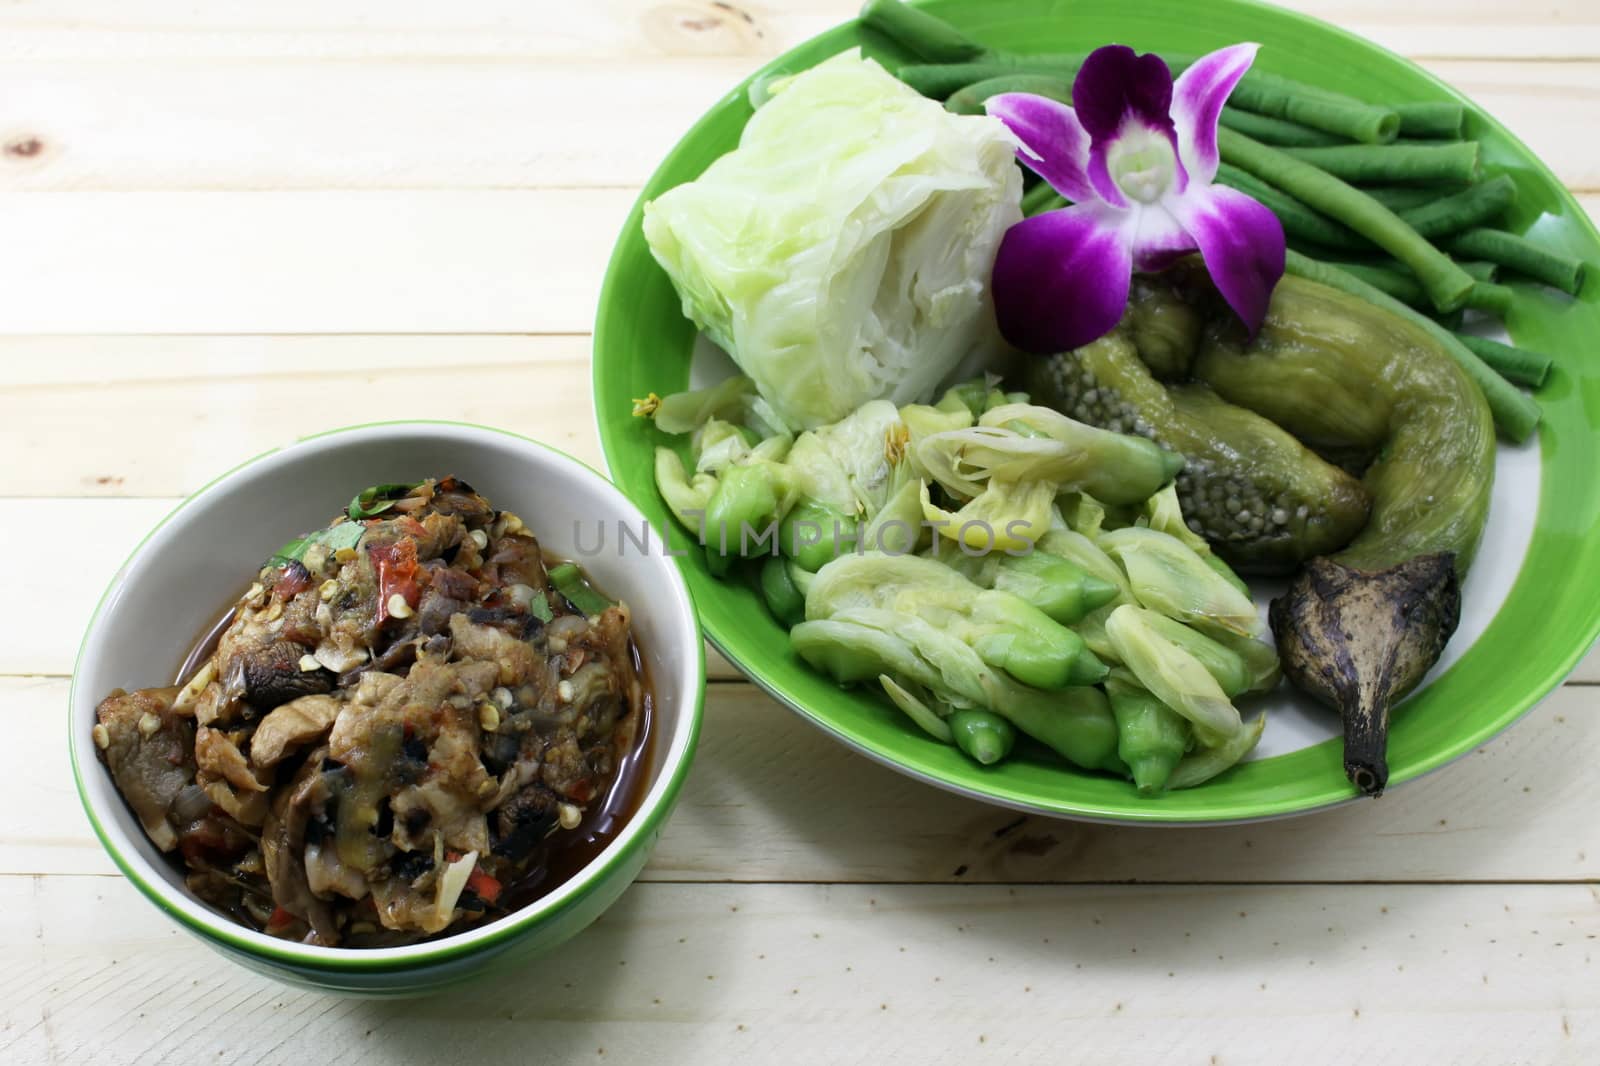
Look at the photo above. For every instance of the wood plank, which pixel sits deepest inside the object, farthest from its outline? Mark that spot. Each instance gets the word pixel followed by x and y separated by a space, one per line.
pixel 746 973
pixel 772 799
pixel 425 123
pixel 208 425
pixel 628 29
pixel 98 535
pixel 307 262
pixel 311 262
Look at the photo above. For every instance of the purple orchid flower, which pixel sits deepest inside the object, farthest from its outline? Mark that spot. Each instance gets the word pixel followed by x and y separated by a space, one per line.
pixel 1135 159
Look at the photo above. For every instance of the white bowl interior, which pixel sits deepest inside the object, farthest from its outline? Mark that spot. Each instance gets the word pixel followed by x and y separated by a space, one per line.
pixel 194 565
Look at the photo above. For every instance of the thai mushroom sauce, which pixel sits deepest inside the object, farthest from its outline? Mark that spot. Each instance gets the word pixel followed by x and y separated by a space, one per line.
pixel 411 723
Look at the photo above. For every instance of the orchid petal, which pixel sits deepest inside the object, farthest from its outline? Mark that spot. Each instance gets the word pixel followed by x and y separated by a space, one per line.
pixel 1055 145
pixel 1242 243
pixel 1114 82
pixel 1105 186
pixel 1157 239
pixel 1197 99
pixel 1061 279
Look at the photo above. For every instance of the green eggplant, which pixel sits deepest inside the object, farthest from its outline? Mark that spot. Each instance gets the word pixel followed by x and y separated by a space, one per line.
pixel 1359 628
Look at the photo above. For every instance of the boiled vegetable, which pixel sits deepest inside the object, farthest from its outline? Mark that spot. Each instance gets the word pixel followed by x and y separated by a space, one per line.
pixel 841 253
pixel 1151 737
pixel 1006 632
pixel 1263 500
pixel 1360 628
pixel 1445 283
pixel 986 736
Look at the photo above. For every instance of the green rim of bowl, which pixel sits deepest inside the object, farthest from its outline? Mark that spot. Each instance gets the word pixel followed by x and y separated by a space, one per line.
pixel 337 960
pixel 1537 637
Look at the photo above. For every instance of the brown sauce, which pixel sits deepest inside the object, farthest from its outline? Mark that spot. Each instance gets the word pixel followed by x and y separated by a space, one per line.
pixel 566 852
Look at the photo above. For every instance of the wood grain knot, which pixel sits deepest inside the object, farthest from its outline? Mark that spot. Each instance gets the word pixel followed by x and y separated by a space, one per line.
pixel 702 29
pixel 26 147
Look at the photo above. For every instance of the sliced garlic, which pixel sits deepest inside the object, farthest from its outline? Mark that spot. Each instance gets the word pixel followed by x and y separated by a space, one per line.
pixel 329 589
pixel 570 816
pixel 102 736
pixel 398 607
pixel 308 663
pixel 149 724
pixel 488 716
pixel 480 538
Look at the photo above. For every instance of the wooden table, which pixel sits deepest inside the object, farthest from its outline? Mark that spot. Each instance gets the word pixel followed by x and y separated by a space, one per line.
pixel 226 225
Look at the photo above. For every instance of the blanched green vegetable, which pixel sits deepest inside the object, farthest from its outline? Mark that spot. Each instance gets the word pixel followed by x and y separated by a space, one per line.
pixel 1172 675
pixel 1005 631
pixel 784 598
pixel 1345 375
pixel 1203 764
pixel 842 252
pixel 1057 586
pixel 743 506
pixel 859 644
pixel 1168 576
pixel 1151 737
pixel 986 736
pixel 915 709
pixel 1263 500
pixel 1222 663
pixel 1360 628
pixel 1119 468
pixel 733 400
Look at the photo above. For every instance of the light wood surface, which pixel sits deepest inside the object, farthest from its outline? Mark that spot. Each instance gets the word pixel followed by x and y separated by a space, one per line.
pixel 223 226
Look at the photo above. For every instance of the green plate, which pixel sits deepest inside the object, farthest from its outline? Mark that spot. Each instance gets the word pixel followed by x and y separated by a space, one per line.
pixel 1533 586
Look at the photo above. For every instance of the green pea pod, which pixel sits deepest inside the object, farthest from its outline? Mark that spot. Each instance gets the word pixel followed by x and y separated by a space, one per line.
pixel 1151 737
pixel 784 598
pixel 985 736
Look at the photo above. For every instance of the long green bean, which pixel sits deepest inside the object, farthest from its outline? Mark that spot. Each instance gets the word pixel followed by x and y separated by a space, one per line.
pixel 1042 197
pixel 1513 364
pixel 1445 283
pixel 1299 221
pixel 940 80
pixel 1275 131
pixel 1514 413
pixel 916 31
pixel 1401 197
pixel 969 99
pixel 1396 283
pixel 1258 91
pixel 1455 163
pixel 1522 255
pixel 1431 119
pixel 1489 297
pixel 1472 206
pixel 1480 269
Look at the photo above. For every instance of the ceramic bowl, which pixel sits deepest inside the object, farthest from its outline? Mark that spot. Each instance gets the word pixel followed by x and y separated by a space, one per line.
pixel 200 556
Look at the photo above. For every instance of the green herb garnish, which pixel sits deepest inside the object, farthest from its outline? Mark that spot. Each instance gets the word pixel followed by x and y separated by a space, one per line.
pixel 376 499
